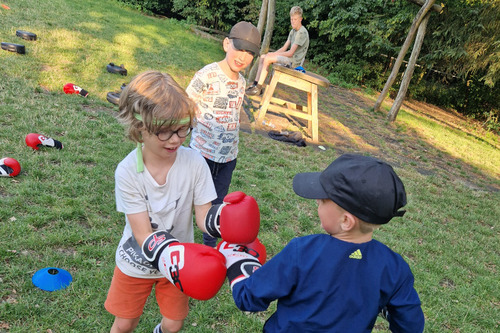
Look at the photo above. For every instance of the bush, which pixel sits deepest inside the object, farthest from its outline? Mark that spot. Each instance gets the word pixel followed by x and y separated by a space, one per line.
pixel 216 14
pixel 472 98
pixel 349 37
pixel 160 7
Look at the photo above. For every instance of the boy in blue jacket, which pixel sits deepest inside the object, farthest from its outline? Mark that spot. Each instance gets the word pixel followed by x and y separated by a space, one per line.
pixel 339 281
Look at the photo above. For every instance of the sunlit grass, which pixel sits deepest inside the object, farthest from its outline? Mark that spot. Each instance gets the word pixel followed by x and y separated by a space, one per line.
pixel 77 47
pixel 60 211
pixel 464 146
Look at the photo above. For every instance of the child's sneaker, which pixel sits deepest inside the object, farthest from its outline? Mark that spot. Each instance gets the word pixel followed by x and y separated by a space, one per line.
pixel 254 90
pixel 158 329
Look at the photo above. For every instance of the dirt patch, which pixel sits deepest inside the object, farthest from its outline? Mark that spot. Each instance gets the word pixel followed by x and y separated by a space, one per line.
pixel 347 123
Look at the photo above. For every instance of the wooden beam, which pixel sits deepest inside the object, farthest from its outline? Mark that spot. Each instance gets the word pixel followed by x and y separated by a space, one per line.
pixel 204 34
pixel 436 8
pixel 403 88
pixel 406 45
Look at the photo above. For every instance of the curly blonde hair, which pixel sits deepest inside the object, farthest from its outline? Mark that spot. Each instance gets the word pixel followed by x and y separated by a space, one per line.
pixel 152 101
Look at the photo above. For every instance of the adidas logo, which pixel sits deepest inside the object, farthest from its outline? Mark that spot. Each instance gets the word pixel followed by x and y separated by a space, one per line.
pixel 356 255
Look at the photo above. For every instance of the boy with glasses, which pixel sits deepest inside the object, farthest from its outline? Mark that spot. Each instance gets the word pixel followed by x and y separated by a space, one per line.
pixel 156 187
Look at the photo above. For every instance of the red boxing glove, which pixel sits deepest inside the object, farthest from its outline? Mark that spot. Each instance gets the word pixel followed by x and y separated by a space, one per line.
pixel 70 88
pixel 9 167
pixel 195 269
pixel 241 261
pixel 35 141
pixel 237 220
pixel 258 250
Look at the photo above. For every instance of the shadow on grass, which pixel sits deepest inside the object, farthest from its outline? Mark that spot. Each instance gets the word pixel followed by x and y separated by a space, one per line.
pixel 348 124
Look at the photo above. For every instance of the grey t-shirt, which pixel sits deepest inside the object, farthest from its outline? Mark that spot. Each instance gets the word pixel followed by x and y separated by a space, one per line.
pixel 169 206
pixel 301 38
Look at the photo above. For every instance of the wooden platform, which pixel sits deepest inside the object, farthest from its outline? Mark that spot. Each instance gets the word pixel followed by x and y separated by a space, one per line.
pixel 307 82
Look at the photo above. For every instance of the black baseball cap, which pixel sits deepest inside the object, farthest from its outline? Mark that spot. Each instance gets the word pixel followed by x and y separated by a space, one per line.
pixel 245 37
pixel 364 186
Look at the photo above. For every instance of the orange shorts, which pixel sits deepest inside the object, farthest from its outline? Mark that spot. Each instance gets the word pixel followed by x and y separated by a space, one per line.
pixel 127 296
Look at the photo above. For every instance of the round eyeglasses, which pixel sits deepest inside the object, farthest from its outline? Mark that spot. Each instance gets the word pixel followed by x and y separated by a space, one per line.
pixel 181 133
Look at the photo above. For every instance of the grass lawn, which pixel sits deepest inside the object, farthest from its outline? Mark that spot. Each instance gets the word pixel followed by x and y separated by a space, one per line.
pixel 60 211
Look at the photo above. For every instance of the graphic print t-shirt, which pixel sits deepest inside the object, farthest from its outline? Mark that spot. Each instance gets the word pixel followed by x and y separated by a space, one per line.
pixel 219 100
pixel 169 206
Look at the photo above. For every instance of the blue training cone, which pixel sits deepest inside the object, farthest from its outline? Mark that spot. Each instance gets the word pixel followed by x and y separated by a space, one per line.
pixel 52 278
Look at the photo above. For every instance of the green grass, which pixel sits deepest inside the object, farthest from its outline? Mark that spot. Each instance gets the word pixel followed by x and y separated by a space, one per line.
pixel 479 150
pixel 60 210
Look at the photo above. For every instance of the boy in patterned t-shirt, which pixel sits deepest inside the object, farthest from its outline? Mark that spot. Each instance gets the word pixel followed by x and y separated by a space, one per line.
pixel 218 90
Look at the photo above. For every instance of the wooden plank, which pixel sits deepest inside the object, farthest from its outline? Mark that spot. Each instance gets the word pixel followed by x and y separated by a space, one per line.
pixel 290 105
pixel 293 113
pixel 266 99
pixel 294 79
pixel 307 76
pixel 295 82
pixel 314 112
pixel 310 109
pixel 298 107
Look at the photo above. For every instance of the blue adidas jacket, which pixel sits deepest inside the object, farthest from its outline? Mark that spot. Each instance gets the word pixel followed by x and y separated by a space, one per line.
pixel 323 284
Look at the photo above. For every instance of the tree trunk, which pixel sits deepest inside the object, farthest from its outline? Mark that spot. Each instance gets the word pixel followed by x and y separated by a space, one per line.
pixel 403 88
pixel 264 12
pixel 262 16
pixel 406 45
pixel 271 17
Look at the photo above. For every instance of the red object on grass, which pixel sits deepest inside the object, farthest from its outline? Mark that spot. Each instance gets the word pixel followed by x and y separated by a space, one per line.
pixel 70 88
pixel 9 167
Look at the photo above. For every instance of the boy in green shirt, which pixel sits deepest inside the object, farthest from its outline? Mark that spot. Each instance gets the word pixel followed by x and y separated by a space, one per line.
pixel 291 54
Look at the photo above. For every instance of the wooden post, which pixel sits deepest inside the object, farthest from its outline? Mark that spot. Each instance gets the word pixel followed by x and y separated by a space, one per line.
pixel 436 8
pixel 268 6
pixel 262 17
pixel 260 26
pixel 268 34
pixel 406 45
pixel 403 88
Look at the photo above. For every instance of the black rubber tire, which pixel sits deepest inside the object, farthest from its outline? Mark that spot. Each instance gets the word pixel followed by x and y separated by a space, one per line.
pixel 25 35
pixel 113 97
pixel 112 68
pixel 14 47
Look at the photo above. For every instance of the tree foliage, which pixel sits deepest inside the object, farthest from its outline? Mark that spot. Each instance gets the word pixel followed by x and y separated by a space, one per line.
pixel 459 62
pixel 463 46
pixel 459 65
pixel 215 14
pixel 465 41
